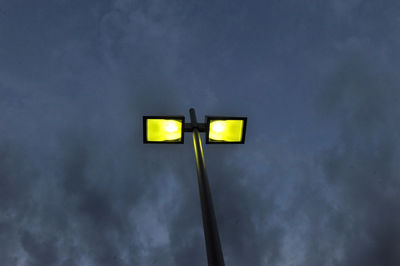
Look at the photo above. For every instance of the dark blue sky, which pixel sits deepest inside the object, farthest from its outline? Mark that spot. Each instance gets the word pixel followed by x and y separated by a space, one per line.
pixel 317 182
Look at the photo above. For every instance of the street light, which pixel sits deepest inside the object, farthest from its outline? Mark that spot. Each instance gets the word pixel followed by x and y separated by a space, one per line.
pixel 219 130
pixel 163 129
pixel 225 130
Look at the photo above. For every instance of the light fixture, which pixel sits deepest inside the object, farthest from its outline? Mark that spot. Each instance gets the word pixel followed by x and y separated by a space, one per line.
pixel 225 130
pixel 163 129
pixel 170 129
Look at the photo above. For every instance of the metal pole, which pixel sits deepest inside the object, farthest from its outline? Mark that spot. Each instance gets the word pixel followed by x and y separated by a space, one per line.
pixel 213 244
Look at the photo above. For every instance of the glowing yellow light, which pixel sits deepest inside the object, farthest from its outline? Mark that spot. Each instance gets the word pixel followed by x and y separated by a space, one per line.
pixel 162 130
pixel 226 130
pixel 218 126
pixel 171 126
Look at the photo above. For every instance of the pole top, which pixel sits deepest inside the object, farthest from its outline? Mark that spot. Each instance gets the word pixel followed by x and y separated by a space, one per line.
pixel 193 118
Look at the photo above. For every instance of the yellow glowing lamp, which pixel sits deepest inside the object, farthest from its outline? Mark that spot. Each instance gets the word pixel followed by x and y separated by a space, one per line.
pixel 163 129
pixel 225 129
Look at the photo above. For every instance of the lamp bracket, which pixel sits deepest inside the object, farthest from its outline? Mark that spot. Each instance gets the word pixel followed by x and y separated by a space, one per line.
pixel 200 126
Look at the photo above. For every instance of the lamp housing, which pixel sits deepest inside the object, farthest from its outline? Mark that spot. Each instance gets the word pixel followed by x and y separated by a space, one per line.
pixel 225 129
pixel 163 129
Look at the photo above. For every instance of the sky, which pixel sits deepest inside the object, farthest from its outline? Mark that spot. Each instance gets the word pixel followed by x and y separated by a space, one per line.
pixel 315 184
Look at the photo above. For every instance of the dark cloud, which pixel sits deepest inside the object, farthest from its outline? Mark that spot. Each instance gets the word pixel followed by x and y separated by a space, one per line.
pixel 41 251
pixel 363 163
pixel 315 184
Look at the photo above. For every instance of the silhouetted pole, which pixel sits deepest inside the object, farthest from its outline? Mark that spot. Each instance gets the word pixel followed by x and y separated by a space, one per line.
pixel 213 244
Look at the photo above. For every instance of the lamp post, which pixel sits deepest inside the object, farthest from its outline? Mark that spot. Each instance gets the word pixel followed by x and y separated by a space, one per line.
pixel 170 129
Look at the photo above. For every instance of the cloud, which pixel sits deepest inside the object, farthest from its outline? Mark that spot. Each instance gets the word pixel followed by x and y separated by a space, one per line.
pixel 344 7
pixel 362 166
pixel 78 187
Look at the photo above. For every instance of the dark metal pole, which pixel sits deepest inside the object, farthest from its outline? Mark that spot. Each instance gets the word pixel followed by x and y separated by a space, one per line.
pixel 213 244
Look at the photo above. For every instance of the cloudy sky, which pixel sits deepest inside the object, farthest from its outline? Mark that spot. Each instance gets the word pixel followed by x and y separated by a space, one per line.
pixel 316 183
